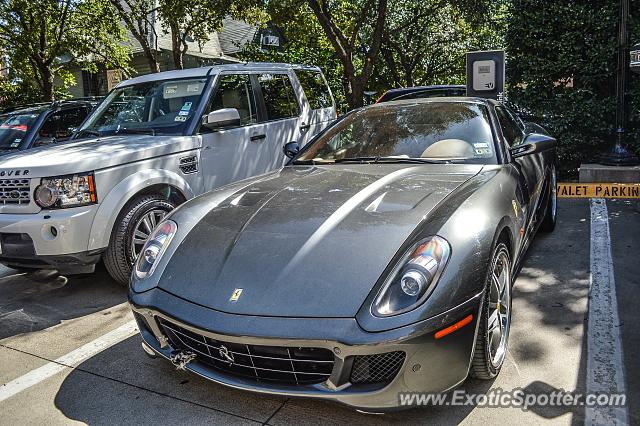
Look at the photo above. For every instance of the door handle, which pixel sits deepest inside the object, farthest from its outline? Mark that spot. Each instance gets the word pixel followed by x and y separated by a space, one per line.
pixel 305 127
pixel 257 137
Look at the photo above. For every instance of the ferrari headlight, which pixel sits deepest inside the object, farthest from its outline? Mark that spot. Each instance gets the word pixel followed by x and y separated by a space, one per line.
pixel 154 249
pixel 414 279
pixel 66 191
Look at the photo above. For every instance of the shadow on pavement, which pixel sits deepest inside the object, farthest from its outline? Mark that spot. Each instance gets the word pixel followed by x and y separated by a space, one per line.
pixel 123 385
pixel 554 284
pixel 35 301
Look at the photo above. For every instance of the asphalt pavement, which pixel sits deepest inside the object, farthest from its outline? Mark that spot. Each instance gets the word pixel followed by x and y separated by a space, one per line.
pixel 68 352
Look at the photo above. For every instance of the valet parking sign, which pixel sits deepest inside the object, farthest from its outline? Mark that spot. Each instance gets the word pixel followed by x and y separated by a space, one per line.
pixel 599 190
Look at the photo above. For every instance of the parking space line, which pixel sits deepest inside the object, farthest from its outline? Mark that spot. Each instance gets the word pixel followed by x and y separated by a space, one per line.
pixel 605 372
pixel 70 360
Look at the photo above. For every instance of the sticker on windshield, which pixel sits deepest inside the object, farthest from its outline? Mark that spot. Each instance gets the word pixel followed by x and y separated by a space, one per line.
pixel 193 88
pixel 16 143
pixel 180 118
pixel 183 112
pixel 481 145
pixel 170 90
pixel 481 152
pixel 186 106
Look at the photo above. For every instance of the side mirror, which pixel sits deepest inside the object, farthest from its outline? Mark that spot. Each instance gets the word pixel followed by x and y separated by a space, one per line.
pixel 221 118
pixel 291 149
pixel 532 144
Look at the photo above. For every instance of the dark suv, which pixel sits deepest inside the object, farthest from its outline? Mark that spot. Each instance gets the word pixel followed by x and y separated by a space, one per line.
pixel 419 92
pixel 36 125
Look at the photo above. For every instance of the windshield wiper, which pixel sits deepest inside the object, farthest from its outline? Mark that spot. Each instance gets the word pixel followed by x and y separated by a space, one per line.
pixel 136 131
pixel 304 162
pixel 389 160
pixel 87 131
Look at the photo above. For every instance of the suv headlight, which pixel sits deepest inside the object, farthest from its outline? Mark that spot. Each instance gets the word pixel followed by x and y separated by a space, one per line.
pixel 154 249
pixel 414 279
pixel 66 191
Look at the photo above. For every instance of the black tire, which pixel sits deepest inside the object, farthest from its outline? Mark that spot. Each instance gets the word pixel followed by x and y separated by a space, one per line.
pixel 551 213
pixel 119 257
pixel 483 366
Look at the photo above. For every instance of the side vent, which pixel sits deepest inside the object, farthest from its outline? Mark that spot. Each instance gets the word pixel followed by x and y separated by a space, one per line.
pixel 189 164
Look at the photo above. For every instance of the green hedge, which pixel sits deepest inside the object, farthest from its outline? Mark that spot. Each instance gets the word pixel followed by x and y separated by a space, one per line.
pixel 561 68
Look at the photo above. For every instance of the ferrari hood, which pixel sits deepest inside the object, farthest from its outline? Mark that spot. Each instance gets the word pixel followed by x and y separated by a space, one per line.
pixel 306 241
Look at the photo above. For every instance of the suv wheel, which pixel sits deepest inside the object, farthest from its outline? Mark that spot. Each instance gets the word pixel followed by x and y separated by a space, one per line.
pixel 134 224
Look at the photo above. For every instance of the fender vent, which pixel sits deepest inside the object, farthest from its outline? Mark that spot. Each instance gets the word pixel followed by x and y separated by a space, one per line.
pixel 189 164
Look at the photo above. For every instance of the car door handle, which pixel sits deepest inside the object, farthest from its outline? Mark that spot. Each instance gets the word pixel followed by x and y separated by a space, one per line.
pixel 305 127
pixel 257 137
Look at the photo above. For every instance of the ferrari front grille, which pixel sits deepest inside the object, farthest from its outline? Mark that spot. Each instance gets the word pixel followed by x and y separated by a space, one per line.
pixel 376 368
pixel 281 364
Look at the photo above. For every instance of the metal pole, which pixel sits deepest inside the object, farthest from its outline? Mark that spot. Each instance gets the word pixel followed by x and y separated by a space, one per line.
pixel 619 154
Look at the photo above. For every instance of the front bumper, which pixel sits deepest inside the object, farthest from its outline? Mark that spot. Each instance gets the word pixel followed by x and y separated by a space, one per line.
pixel 49 239
pixel 430 365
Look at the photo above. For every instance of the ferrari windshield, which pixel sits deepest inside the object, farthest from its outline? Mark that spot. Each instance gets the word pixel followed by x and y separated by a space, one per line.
pixel 416 132
pixel 155 107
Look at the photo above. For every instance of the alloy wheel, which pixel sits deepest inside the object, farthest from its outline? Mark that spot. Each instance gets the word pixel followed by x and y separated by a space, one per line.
pixel 499 318
pixel 143 229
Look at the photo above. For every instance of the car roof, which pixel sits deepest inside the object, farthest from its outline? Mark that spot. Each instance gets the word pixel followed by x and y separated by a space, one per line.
pixel 403 90
pixel 449 99
pixel 214 69
pixel 41 107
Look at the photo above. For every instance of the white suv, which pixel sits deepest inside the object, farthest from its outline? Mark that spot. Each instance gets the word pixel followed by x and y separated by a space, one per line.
pixel 154 142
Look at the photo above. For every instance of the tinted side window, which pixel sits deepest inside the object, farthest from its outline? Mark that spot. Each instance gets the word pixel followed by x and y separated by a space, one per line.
pixel 60 125
pixel 279 99
pixel 236 91
pixel 315 89
pixel 510 129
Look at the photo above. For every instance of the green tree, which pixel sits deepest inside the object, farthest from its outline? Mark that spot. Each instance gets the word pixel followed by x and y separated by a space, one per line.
pixel 304 43
pixel 39 35
pixel 561 67
pixel 195 20
pixel 137 16
pixel 355 30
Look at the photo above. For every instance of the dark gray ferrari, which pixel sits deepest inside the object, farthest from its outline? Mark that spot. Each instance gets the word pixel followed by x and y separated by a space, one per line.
pixel 379 261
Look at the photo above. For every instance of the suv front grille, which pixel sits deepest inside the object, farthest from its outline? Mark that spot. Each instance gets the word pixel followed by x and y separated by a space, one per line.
pixel 376 368
pixel 281 364
pixel 15 191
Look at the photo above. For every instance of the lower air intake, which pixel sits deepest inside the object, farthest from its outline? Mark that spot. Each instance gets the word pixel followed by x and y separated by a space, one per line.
pixel 376 368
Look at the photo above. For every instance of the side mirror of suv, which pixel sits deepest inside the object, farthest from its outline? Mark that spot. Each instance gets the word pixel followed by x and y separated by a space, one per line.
pixel 221 118
pixel 291 149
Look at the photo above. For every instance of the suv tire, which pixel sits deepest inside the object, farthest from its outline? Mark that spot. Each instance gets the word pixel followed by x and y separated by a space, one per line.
pixel 119 256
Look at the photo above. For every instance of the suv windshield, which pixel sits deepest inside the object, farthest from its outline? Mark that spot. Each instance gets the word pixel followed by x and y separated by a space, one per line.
pixel 155 107
pixel 412 132
pixel 15 126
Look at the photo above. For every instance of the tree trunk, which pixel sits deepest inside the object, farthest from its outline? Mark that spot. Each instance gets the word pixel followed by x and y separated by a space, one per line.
pixel 154 66
pixel 355 96
pixel 47 82
pixel 176 46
